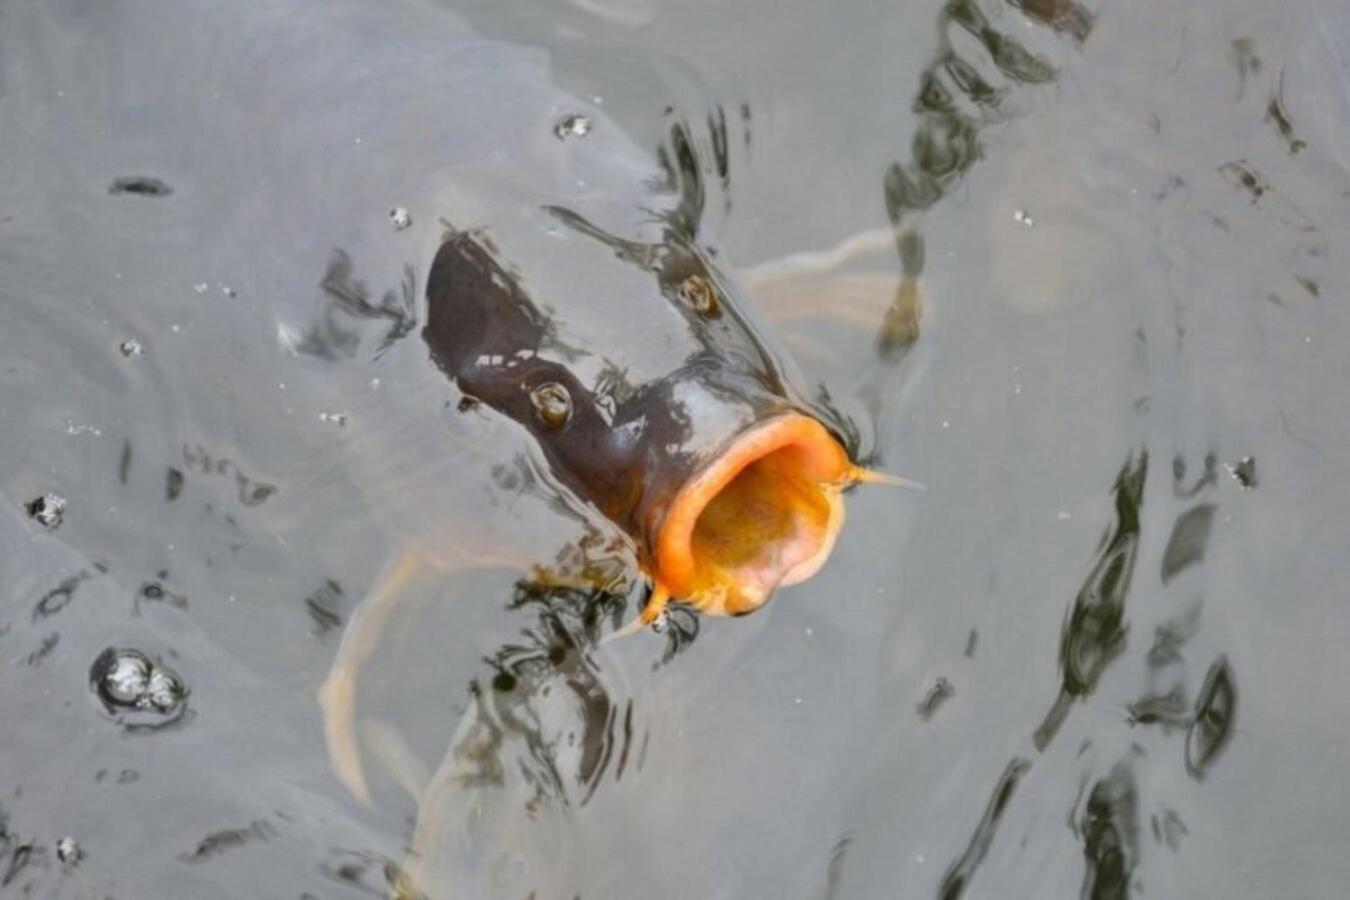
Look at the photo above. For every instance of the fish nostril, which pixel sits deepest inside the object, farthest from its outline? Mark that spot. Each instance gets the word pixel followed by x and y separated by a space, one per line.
pixel 552 404
pixel 699 294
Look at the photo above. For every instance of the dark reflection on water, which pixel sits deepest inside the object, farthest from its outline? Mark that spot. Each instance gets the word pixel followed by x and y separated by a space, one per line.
pixel 1165 701
pixel 17 855
pixel 1110 831
pixel 1206 478
pixel 346 302
pixel 556 654
pixel 956 100
pixel 548 692
pixel 680 159
pixel 221 842
pixel 141 186
pixel 1212 723
pixel 1190 535
pixel 954 883
pixel 1095 628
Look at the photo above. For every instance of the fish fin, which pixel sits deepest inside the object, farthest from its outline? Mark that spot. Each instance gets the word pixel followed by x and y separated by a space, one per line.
pixel 656 605
pixel 337 694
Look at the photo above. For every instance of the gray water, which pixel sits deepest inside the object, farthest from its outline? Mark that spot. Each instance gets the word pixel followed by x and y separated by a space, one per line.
pixel 1101 655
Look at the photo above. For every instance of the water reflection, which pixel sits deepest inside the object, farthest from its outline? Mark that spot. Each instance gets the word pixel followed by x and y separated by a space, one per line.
pixel 556 654
pixel 1212 724
pixel 959 95
pixel 1190 535
pixel 958 876
pixel 1110 830
pixel 346 302
pixel 1095 628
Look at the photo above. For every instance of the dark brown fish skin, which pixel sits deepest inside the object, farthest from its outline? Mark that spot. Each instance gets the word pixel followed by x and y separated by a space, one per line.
pixel 626 453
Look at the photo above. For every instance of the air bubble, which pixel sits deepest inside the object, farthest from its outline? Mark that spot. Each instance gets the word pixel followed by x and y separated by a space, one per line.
pixel 1022 217
pixel 126 678
pixel 130 348
pixel 400 218
pixel 129 680
pixel 165 692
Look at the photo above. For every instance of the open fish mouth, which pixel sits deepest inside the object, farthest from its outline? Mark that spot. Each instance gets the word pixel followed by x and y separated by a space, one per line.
pixel 764 513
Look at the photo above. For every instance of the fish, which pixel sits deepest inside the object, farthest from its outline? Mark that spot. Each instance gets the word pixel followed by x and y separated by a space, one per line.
pixel 662 410
pixel 727 483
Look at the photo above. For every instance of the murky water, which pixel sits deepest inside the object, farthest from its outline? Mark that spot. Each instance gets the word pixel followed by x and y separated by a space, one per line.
pixel 1101 655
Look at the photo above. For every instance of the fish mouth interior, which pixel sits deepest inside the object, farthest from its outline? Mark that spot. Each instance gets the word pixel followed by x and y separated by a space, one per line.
pixel 764 513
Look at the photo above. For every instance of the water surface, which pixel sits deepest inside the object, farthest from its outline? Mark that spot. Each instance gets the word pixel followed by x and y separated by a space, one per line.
pixel 1100 655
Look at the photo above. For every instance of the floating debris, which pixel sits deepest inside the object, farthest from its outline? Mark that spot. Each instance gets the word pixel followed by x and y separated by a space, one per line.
pixel 572 126
pixel 1022 217
pixel 939 690
pixel 1244 472
pixel 335 418
pixel 49 510
pixel 1242 174
pixel 128 679
pixel 68 851
pixel 131 348
pixel 173 484
pixel 201 287
pixel 141 186
pixel 325 607
pixel 228 291
pixel 401 218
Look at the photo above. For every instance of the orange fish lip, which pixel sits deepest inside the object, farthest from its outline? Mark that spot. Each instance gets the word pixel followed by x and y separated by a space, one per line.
pixel 822 458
